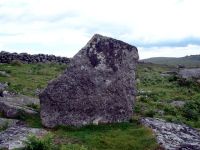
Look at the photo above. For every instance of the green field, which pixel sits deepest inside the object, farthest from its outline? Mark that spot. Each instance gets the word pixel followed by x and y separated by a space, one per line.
pixel 26 78
pixel 154 97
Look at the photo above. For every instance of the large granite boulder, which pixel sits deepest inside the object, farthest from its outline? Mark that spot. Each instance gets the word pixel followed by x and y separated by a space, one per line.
pixel 97 87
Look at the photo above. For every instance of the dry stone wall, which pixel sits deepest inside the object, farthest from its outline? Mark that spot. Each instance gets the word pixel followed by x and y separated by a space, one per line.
pixel 6 57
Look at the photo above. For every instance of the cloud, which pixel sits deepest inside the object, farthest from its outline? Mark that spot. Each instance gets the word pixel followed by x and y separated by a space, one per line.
pixel 8 34
pixel 168 51
pixel 172 42
pixel 65 25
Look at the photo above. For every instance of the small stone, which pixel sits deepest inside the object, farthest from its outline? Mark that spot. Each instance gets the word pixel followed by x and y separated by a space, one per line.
pixel 198 81
pixel 4 74
pixel 3 87
pixel 178 103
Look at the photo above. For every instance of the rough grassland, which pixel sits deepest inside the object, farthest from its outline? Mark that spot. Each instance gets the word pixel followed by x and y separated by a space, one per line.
pixel 26 78
pixel 156 92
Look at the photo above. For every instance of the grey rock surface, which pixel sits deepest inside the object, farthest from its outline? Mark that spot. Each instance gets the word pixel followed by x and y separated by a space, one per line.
pixel 14 106
pixel 22 100
pixel 173 136
pixel 14 137
pixel 178 103
pixel 97 87
pixel 3 87
pixel 169 73
pixel 190 73
pixel 4 74
pixel 5 123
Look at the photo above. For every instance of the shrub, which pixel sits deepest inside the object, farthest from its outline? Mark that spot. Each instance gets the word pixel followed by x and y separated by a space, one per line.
pixel 172 78
pixel 46 143
pixel 150 113
pixel 4 126
pixel 72 147
pixel 186 82
pixel 16 63
pixel 35 143
pixel 34 106
pixel 138 107
pixel 191 110
pixel 170 110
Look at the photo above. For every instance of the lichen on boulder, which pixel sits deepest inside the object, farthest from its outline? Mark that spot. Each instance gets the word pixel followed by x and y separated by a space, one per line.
pixel 97 87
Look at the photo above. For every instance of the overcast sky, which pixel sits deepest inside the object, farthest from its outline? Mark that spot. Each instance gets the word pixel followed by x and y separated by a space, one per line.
pixel 169 28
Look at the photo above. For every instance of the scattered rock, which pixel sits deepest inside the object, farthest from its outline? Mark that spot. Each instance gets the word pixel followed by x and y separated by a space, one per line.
pixel 15 106
pixel 8 93
pixel 169 73
pixel 173 136
pixel 190 73
pixel 3 86
pixel 160 112
pixel 4 74
pixel 138 80
pixel 38 91
pixel 6 123
pixel 198 81
pixel 14 137
pixel 178 103
pixel 97 87
pixel 180 66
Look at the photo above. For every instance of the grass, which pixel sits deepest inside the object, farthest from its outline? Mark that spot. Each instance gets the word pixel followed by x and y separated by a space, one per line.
pixel 126 136
pixel 155 94
pixel 33 121
pixel 26 78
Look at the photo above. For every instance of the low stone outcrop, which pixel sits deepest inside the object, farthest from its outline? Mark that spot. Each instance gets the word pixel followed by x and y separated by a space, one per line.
pixel 173 136
pixel 14 137
pixel 6 57
pixel 97 87
pixel 190 73
pixel 14 106
pixel 6 123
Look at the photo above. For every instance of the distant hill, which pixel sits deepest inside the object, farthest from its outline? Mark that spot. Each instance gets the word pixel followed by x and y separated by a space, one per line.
pixel 188 61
